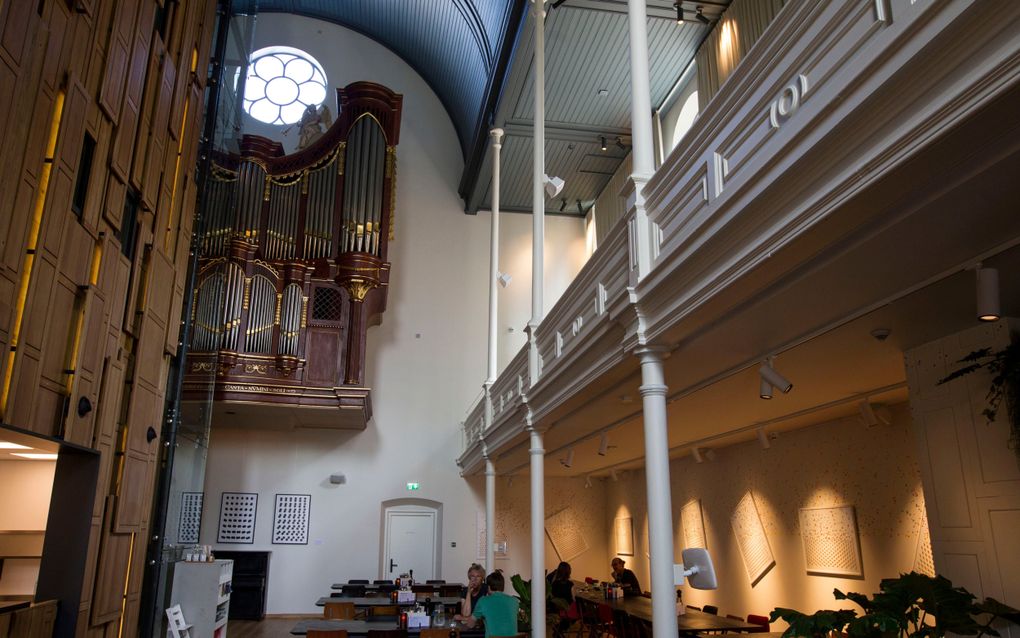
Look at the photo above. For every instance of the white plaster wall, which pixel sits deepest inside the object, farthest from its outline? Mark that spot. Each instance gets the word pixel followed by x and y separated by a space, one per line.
pixel 425 363
pixel 835 463
pixel 25 489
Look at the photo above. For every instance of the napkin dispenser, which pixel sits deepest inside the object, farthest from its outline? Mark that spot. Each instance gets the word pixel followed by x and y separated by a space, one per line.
pixel 417 619
pixel 405 596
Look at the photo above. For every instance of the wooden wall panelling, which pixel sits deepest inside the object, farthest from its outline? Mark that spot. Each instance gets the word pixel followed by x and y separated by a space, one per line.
pixel 185 27
pixel 111 573
pixel 72 132
pixel 143 139
pixel 131 500
pixel 115 70
pixel 95 75
pixel 113 206
pixel 57 214
pixel 56 22
pixel 124 138
pixel 96 193
pixel 14 248
pixel 15 20
pixel 22 116
pixel 8 80
pixel 204 37
pixel 77 50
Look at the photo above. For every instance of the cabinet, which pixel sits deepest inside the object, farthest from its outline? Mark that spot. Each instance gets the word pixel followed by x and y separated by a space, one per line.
pixel 251 580
pixel 203 592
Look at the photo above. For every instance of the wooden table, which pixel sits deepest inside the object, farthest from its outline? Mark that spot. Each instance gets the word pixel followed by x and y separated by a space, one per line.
pixel 13 605
pixel 379 601
pixel 691 622
pixel 373 587
pixel 361 627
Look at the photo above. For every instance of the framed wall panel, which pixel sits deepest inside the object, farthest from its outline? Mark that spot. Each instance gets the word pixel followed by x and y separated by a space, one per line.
pixel 693 525
pixel 290 519
pixel 189 526
pixel 565 532
pixel 751 540
pixel 237 517
pixel 623 533
pixel 831 544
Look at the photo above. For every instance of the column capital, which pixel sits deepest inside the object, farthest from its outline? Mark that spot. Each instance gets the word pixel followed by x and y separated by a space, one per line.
pixel 653 352
pixel 496 134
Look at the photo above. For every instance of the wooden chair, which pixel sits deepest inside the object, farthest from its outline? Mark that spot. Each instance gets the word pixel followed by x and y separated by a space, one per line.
pixel 383 610
pixel 693 607
pixel 382 582
pixel 386 633
pixel 435 582
pixel 761 621
pixel 423 589
pixel 710 609
pixel 588 612
pixel 358 581
pixel 449 590
pixel 354 591
pixel 640 627
pixel 339 610
pixel 327 633
pixel 439 632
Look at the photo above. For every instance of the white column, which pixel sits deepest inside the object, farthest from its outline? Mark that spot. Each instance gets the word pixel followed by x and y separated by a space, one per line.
pixel 538 535
pixel 490 514
pixel 538 196
pixel 642 151
pixel 660 504
pixel 497 136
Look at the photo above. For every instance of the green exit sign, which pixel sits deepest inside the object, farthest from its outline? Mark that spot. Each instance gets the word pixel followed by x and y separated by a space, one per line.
pixel 412 486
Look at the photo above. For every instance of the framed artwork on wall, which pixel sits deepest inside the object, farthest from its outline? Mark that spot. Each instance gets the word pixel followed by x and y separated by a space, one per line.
pixel 751 540
pixel 237 517
pixel 565 532
pixel 190 523
pixel 623 528
pixel 290 519
pixel 693 525
pixel 831 544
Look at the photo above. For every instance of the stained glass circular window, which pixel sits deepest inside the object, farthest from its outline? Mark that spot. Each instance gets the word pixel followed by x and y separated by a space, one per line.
pixel 281 83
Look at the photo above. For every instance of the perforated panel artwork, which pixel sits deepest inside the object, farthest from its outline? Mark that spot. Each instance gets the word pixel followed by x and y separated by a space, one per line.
pixel 693 524
pixel 565 531
pixel 623 529
pixel 190 523
pixel 924 562
pixel 831 544
pixel 290 519
pixel 481 534
pixel 237 517
pixel 751 539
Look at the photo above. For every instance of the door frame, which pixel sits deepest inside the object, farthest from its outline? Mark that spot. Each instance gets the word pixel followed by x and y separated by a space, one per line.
pixel 412 506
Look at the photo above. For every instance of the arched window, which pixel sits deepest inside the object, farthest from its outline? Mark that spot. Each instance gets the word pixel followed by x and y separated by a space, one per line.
pixel 688 113
pixel 281 83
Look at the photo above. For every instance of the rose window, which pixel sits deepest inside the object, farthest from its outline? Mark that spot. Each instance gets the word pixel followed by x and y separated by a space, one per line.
pixel 281 83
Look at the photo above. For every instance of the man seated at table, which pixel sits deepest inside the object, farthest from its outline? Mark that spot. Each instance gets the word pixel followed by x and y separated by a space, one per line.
pixel 625 578
pixel 497 610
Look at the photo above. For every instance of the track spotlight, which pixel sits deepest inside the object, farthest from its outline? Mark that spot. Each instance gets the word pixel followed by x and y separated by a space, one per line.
pixel 620 144
pixel 709 454
pixel 873 414
pixel 553 185
pixel 587 481
pixel 778 381
pixel 504 279
pixel 696 453
pixel 580 208
pixel 604 444
pixel 763 439
pixel 679 13
pixel 987 294
pixel 701 16
pixel 603 140
pixel 563 204
pixel 764 389
pixel 568 460
pixel 614 475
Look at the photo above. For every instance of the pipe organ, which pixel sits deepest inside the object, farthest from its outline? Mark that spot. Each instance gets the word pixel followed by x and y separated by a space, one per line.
pixel 294 266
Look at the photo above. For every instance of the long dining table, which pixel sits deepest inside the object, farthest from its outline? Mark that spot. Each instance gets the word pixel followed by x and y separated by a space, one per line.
pixel 377 601
pixel 377 586
pixel 362 627
pixel 692 621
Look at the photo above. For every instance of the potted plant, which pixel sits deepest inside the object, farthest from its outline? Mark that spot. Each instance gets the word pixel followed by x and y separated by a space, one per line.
pixel 1004 367
pixel 910 606
pixel 523 589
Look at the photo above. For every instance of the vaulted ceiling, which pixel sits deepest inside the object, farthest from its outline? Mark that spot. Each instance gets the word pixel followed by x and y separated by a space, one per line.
pixel 477 55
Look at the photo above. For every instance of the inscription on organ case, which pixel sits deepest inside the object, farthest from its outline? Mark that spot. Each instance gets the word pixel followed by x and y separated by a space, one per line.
pixel 294 268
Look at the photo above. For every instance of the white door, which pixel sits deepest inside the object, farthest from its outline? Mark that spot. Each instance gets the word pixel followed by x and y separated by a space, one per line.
pixel 410 544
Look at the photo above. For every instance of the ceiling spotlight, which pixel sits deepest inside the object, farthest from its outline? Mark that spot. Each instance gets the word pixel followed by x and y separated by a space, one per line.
pixel 778 381
pixel 764 389
pixel 873 414
pixel 701 16
pixel 604 444
pixel 620 144
pixel 603 141
pixel 553 185
pixel 504 279
pixel 568 460
pixel 763 439
pixel 987 294
pixel 587 481
pixel 679 13
pixel 614 475
pixel 580 208
pixel 696 453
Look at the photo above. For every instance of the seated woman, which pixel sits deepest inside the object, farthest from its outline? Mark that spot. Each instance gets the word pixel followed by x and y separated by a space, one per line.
pixel 497 610
pixel 476 588
pixel 561 588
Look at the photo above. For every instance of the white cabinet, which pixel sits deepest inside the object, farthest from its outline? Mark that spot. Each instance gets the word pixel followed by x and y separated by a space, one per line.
pixel 203 592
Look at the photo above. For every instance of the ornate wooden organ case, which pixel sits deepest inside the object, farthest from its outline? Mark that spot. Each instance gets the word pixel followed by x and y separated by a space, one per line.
pixel 294 269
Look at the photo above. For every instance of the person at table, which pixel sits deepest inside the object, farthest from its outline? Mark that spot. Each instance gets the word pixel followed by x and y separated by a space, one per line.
pixel 562 588
pixel 476 588
pixel 496 610
pixel 625 578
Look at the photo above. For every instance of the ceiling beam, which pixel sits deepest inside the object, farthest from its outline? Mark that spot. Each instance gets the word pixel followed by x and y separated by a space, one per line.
pixel 566 132
pixel 658 9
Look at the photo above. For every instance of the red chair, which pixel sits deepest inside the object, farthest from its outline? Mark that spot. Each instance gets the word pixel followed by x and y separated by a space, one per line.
pixel 761 621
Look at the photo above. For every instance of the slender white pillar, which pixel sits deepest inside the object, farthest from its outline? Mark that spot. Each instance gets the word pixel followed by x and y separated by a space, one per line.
pixel 643 153
pixel 642 150
pixel 660 504
pixel 490 514
pixel 538 196
pixel 497 136
pixel 538 535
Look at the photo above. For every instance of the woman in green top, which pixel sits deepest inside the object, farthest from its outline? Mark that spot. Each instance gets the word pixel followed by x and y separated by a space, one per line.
pixel 496 609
